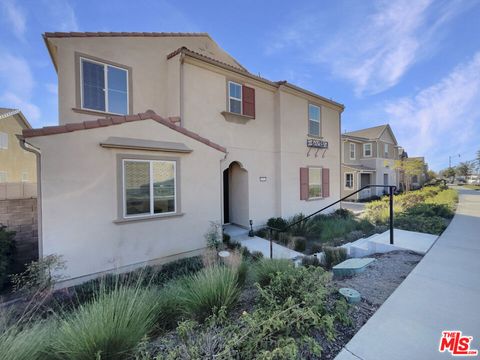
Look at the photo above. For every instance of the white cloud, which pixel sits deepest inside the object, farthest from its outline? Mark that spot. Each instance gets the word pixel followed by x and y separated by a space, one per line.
pixel 52 88
pixel 17 85
pixel 15 16
pixel 442 119
pixel 61 15
pixel 372 49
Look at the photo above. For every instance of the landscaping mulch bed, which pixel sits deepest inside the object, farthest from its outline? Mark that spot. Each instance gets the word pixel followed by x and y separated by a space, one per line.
pixel 383 276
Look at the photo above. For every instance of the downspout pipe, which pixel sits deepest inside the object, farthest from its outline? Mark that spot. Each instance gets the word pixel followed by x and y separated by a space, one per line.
pixel 30 148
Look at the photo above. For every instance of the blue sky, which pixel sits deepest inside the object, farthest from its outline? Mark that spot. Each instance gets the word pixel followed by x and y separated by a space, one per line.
pixel 414 64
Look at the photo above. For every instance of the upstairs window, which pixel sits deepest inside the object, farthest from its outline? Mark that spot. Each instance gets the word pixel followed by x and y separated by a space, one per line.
pixel 3 140
pixel 352 151
pixel 385 150
pixel 149 187
pixel 104 87
pixel 314 120
pixel 367 150
pixel 241 99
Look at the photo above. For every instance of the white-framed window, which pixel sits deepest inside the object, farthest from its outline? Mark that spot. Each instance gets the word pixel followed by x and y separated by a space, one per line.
pixel 314 182
pixel 352 151
pixel 25 176
pixel 234 97
pixel 367 150
pixel 314 125
pixel 385 150
pixel 349 181
pixel 149 187
pixel 3 176
pixel 3 140
pixel 103 87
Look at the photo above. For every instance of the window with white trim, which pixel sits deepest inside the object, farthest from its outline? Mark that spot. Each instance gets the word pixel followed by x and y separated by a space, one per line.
pixel 352 151
pixel 149 187
pixel 25 176
pixel 367 150
pixel 314 127
pixel 348 180
pixel 234 97
pixel 3 176
pixel 385 150
pixel 103 87
pixel 314 182
pixel 3 140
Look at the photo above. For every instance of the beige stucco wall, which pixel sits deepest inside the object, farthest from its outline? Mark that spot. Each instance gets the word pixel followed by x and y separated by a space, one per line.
pixel 15 161
pixel 273 145
pixel 79 199
pixel 152 78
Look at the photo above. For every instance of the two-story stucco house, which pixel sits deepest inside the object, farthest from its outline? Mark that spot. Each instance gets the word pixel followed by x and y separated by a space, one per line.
pixel 161 134
pixel 368 157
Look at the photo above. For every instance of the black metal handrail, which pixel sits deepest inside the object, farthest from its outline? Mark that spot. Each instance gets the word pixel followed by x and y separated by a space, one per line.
pixel 391 190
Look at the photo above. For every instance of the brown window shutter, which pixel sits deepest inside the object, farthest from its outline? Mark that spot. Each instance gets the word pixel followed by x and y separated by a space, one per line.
pixel 248 101
pixel 325 182
pixel 303 183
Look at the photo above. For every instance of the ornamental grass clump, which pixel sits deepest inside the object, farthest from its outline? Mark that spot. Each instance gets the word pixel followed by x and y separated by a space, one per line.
pixel 208 291
pixel 27 343
pixel 108 327
pixel 266 269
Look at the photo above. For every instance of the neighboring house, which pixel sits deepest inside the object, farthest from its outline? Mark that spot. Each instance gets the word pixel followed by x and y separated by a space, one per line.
pixel 417 180
pixel 368 158
pixel 17 166
pixel 187 136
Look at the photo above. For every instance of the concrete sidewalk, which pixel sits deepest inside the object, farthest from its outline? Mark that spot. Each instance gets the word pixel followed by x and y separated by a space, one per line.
pixel 441 293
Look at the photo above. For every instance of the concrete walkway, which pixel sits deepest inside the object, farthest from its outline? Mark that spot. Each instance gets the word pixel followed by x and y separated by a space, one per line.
pixel 259 244
pixel 441 293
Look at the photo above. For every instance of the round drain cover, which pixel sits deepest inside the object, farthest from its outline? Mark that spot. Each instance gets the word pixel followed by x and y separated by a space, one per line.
pixel 352 295
pixel 224 254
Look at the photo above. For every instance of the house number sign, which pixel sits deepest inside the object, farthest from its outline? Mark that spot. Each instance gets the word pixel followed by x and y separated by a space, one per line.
pixel 317 143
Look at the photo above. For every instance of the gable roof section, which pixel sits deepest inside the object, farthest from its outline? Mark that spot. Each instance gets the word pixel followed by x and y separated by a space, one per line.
pixel 116 120
pixel 371 133
pixel 186 51
pixel 220 52
pixel 5 113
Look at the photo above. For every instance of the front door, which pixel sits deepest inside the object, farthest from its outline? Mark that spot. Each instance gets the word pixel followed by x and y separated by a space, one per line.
pixel 226 198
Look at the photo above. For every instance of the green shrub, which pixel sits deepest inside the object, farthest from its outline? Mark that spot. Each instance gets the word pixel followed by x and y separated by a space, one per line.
pixel 29 343
pixel 168 311
pixel 343 213
pixel 299 243
pixel 206 292
pixel 447 197
pixel 365 226
pixel 226 239
pixel 354 235
pixel 266 269
pixel 300 229
pixel 7 251
pixel 263 233
pixel 334 256
pixel 277 223
pixel 284 238
pixel 431 225
pixel 257 255
pixel 316 247
pixel 242 273
pixel 310 261
pixel 430 209
pixel 108 327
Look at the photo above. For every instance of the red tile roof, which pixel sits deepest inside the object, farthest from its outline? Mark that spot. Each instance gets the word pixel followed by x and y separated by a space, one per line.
pixel 120 34
pixel 115 120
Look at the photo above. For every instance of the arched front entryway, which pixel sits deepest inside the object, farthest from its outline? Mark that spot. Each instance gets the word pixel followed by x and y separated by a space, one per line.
pixel 235 195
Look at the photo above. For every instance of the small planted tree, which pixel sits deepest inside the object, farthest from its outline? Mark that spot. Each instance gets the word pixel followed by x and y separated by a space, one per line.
pixel 411 168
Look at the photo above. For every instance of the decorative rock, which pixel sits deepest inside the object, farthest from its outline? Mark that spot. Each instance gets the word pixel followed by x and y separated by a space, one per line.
pixel 352 295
